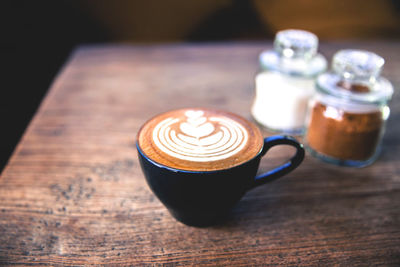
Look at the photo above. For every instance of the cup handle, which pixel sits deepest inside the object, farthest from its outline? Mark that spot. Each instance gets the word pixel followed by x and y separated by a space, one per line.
pixel 289 166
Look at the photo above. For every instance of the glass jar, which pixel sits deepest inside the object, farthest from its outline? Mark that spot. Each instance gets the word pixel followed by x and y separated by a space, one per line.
pixel 286 83
pixel 347 115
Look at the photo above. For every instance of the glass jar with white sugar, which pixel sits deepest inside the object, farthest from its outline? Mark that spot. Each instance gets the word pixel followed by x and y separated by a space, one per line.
pixel 286 83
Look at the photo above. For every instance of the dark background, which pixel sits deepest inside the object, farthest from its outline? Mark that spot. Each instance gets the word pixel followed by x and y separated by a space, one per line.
pixel 37 36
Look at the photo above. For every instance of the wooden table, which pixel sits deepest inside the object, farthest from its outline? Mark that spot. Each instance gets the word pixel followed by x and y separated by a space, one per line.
pixel 73 192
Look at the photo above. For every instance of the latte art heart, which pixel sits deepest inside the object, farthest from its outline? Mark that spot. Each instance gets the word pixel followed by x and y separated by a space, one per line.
pixel 199 138
pixel 197 131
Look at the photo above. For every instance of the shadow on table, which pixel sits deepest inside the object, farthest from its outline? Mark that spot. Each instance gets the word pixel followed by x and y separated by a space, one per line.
pixel 315 194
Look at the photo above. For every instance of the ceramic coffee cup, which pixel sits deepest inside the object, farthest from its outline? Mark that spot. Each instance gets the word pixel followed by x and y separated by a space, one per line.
pixel 200 162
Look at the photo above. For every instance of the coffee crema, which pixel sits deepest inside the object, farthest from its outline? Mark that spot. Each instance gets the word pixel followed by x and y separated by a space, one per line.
pixel 199 139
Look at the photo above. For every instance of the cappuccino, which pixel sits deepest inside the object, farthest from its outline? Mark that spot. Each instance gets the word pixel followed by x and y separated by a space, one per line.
pixel 199 139
pixel 200 162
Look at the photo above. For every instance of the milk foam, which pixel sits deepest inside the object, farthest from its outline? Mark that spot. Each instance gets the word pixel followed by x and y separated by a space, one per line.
pixel 199 138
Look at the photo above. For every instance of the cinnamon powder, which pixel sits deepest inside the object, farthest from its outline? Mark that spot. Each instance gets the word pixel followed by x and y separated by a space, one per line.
pixel 345 136
pixel 357 88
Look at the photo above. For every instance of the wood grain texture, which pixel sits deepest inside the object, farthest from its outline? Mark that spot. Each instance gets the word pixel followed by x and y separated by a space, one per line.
pixel 73 192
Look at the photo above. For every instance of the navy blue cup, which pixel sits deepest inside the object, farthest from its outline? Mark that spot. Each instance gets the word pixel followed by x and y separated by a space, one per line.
pixel 203 198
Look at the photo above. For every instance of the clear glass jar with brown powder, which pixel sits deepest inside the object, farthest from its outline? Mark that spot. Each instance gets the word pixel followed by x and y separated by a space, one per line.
pixel 346 117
